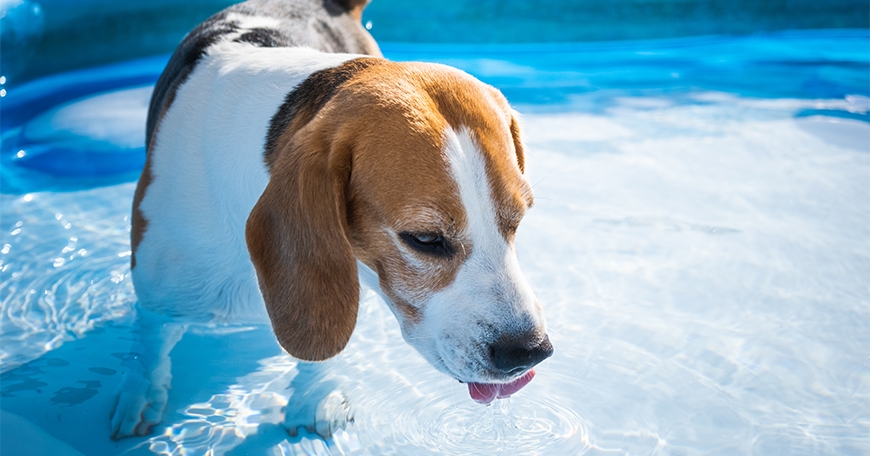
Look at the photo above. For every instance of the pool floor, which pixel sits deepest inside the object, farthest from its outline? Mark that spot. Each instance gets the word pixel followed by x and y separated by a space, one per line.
pixel 702 257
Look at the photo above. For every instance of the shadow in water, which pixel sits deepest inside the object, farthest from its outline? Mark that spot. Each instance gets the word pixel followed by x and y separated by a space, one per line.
pixel 70 392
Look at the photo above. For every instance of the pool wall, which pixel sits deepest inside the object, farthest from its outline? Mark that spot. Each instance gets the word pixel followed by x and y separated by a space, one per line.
pixel 44 37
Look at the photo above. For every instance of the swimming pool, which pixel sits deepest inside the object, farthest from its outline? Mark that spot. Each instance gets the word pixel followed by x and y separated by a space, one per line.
pixel 699 242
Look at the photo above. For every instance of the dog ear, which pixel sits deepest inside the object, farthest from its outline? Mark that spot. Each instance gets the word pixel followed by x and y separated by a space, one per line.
pixel 297 236
pixel 518 142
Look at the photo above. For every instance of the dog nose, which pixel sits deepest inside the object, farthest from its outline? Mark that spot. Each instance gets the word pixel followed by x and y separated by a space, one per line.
pixel 513 357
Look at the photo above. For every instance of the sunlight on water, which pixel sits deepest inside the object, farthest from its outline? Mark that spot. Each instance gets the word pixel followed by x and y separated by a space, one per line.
pixel 523 427
pixel 226 419
pixel 64 268
pixel 701 254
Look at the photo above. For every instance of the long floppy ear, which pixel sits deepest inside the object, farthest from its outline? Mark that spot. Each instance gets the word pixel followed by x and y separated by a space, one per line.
pixel 518 142
pixel 298 239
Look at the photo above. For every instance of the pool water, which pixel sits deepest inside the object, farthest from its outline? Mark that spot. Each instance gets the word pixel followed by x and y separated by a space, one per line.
pixel 700 243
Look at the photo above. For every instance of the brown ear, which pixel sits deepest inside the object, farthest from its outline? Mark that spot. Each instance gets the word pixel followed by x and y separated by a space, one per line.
pixel 298 241
pixel 518 143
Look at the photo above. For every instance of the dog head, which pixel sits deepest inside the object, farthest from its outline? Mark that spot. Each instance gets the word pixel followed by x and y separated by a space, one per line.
pixel 416 170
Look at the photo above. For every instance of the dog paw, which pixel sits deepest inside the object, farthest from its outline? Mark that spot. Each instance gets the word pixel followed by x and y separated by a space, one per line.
pixel 138 409
pixel 317 413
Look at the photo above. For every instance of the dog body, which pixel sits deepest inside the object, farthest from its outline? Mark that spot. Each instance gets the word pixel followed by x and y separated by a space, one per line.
pixel 285 168
pixel 206 173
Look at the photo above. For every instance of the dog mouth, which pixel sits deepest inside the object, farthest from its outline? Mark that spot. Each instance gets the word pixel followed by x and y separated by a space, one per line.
pixel 502 374
pixel 494 374
pixel 485 393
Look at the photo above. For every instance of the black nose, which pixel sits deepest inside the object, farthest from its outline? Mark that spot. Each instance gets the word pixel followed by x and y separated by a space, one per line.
pixel 515 357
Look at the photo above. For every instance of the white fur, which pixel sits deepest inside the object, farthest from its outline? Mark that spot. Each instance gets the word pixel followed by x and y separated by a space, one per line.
pixel 193 264
pixel 246 23
pixel 489 290
pixel 208 172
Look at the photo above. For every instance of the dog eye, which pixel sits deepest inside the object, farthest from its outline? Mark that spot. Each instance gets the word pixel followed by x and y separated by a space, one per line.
pixel 427 238
pixel 428 243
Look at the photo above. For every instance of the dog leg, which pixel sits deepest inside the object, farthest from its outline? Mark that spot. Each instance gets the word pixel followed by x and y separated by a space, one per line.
pixel 316 402
pixel 145 388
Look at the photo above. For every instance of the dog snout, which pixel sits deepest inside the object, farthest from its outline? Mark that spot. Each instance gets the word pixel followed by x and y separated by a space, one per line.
pixel 516 356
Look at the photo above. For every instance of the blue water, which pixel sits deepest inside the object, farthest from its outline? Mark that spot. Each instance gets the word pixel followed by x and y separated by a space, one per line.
pixel 549 77
pixel 700 241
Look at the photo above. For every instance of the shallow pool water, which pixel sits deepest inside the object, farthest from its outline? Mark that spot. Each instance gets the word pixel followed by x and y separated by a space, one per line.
pixel 700 242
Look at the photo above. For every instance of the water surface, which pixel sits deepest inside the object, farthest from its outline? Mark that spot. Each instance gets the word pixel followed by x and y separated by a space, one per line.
pixel 700 242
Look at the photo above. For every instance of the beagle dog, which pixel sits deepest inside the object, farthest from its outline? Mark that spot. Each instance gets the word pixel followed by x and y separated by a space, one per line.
pixel 289 164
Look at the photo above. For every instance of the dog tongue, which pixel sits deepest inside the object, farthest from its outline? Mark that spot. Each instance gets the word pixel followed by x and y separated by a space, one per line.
pixel 485 393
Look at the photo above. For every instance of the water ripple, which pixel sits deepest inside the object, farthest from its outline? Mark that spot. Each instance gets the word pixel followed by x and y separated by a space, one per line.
pixel 61 273
pixel 448 424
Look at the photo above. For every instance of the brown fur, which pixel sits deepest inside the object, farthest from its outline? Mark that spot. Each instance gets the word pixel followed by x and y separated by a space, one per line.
pixel 186 57
pixel 354 7
pixel 296 235
pixel 305 101
pixel 137 220
pixel 369 164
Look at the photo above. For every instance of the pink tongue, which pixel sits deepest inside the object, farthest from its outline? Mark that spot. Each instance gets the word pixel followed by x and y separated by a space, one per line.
pixel 488 392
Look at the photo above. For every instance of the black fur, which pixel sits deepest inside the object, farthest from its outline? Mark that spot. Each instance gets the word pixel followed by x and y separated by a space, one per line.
pixel 263 38
pixel 182 63
pixel 308 98
pixel 348 5
pixel 319 24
